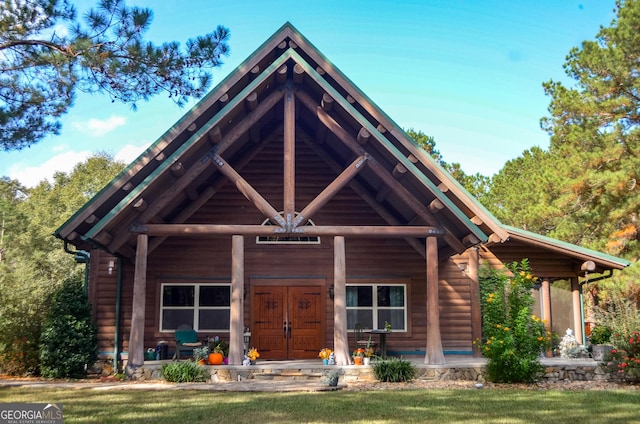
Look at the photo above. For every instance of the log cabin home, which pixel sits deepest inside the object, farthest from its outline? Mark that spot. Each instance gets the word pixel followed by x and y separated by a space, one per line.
pixel 288 203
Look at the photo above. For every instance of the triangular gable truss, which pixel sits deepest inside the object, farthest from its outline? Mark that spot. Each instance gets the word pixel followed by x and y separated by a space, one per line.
pixel 183 169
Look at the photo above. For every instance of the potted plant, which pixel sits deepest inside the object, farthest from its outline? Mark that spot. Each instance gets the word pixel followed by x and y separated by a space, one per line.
pixel 331 377
pixel 253 354
pixel 325 354
pixel 219 351
pixel 600 342
pixel 358 356
pixel 200 354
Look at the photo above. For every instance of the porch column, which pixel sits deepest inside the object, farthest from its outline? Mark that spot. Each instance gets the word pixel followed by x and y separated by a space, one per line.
pixel 236 330
pixel 434 355
pixel 546 306
pixel 476 316
pixel 136 337
pixel 340 338
pixel 576 305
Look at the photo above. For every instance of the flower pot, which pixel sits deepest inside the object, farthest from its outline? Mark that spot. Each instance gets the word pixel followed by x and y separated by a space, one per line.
pixel 252 361
pixel 366 360
pixel 215 358
pixel 357 360
pixel 325 362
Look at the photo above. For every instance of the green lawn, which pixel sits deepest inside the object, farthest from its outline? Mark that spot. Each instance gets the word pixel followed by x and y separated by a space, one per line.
pixel 395 406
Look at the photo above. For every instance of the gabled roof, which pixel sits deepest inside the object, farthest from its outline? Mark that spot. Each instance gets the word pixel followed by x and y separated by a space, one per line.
pixel 186 167
pixel 173 177
pixel 602 260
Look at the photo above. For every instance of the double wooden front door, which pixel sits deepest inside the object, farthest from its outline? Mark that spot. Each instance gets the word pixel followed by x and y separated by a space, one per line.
pixel 288 322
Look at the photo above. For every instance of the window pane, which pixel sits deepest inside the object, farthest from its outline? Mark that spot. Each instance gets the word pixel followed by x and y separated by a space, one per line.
pixel 359 316
pixel 395 317
pixel 214 319
pixel 359 296
pixel 177 296
pixel 173 318
pixel 215 296
pixel 396 296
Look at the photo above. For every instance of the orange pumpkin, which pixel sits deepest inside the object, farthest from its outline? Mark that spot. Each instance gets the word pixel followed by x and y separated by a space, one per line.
pixel 215 358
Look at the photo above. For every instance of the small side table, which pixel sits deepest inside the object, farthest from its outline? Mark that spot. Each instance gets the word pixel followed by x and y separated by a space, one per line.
pixel 383 340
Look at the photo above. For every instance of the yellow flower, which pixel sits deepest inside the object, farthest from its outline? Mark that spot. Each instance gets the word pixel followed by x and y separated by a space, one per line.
pixel 540 338
pixel 488 341
pixel 253 354
pixel 506 328
pixel 498 326
pixel 487 349
pixel 522 273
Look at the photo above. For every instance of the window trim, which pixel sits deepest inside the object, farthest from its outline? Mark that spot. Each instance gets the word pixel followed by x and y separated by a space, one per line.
pixel 375 308
pixel 196 305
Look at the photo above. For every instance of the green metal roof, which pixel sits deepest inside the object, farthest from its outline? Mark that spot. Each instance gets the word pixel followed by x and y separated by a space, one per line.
pixel 569 248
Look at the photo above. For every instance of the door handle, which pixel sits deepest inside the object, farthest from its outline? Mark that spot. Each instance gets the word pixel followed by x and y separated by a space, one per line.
pixel 289 329
pixel 284 329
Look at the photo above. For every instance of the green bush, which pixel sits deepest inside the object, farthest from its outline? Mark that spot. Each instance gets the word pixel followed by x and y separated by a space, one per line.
pixel 68 343
pixel 394 370
pixel 184 372
pixel 513 337
pixel 600 335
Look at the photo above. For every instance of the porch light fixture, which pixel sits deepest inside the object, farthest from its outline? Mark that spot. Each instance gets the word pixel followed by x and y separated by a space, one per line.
pixel 463 267
pixel 112 265
pixel 332 292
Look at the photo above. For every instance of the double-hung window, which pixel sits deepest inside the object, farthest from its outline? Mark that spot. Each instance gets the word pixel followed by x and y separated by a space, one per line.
pixel 203 307
pixel 371 305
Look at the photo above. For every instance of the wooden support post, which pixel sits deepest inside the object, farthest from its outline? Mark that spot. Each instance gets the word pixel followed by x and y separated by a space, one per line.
pixel 136 337
pixel 474 293
pixel 434 355
pixel 289 155
pixel 577 315
pixel 340 337
pixel 546 307
pixel 236 327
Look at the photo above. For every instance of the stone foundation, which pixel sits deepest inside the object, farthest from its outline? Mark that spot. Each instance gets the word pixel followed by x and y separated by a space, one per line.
pixel 553 373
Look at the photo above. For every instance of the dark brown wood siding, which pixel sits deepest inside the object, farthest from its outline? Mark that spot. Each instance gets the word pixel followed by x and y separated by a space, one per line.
pixel 182 259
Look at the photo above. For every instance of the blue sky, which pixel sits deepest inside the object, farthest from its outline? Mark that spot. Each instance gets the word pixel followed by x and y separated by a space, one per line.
pixel 469 73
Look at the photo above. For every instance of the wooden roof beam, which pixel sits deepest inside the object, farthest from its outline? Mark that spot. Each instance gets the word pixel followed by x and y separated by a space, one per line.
pixel 289 177
pixel 298 74
pixel 386 176
pixel 248 191
pixel 364 194
pixel 210 191
pixel 363 136
pixel 327 102
pixel 331 190
pixel 198 167
pixel 208 230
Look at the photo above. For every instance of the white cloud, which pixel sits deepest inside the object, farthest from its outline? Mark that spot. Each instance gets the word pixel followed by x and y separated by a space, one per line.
pixel 129 152
pixel 99 127
pixel 31 176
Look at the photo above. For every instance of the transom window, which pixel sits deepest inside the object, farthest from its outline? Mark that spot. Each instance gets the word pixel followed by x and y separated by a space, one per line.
pixel 203 307
pixel 370 305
